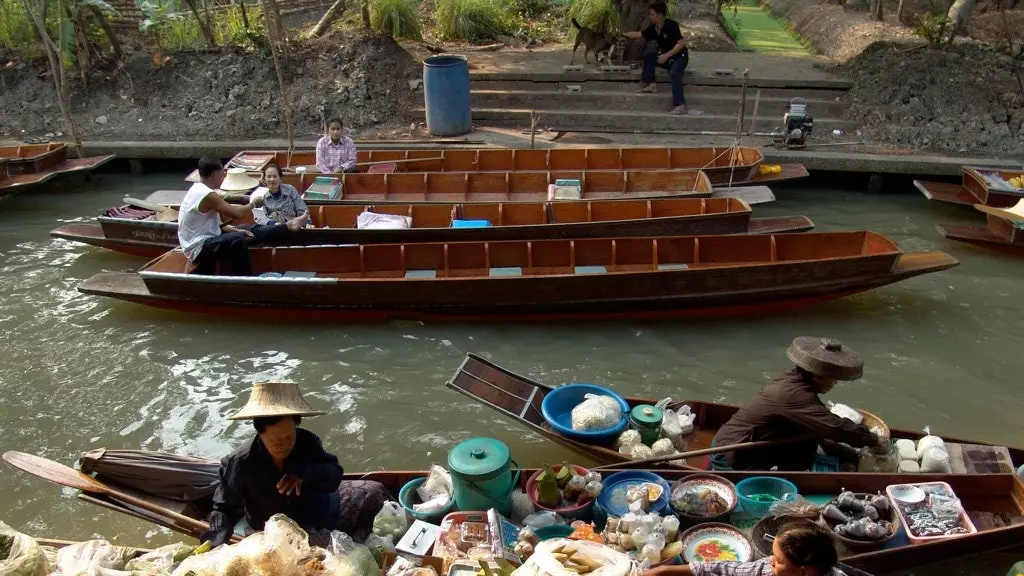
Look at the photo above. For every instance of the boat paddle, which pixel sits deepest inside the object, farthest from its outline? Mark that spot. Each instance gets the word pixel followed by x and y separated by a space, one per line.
pixel 707 451
pixel 66 476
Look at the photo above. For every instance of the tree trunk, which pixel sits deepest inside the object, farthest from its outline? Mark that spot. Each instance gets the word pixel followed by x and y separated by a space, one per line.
pixel 286 104
pixel 207 33
pixel 245 17
pixel 275 11
pixel 958 15
pixel 899 12
pixel 332 14
pixel 878 11
pixel 53 58
pixel 77 18
pixel 366 14
pixel 115 43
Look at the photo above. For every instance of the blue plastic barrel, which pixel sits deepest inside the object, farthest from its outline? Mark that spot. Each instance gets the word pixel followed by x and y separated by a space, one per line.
pixel 446 95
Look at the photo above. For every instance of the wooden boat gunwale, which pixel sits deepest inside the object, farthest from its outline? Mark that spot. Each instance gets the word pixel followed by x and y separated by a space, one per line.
pixel 706 411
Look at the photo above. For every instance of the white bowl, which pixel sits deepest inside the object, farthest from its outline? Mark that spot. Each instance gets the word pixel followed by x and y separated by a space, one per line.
pixel 907 494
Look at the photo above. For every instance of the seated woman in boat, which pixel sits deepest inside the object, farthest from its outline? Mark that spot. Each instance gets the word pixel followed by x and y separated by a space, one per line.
pixel 335 152
pixel 789 407
pixel 285 469
pixel 802 550
pixel 282 202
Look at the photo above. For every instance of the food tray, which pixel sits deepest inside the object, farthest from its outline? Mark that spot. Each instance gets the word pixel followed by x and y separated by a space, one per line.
pixel 926 486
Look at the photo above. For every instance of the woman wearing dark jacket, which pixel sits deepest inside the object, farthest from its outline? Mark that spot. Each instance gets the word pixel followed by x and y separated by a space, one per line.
pixel 788 407
pixel 286 470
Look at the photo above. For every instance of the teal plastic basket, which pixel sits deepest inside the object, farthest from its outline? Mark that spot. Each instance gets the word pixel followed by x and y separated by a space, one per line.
pixel 757 494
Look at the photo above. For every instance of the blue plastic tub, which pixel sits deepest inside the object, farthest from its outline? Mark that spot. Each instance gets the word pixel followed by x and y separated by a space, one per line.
pixel 769 486
pixel 612 499
pixel 557 410
pixel 407 497
pixel 471 224
pixel 446 95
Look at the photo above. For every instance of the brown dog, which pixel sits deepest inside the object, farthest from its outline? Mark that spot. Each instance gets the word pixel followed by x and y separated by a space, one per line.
pixel 592 41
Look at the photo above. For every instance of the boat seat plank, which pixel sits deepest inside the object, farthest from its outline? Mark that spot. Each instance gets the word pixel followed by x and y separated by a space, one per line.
pixel 506 271
pixel 669 266
pixel 421 273
pixel 591 269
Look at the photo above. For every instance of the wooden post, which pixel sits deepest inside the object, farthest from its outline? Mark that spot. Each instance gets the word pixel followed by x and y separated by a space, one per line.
pixel 533 128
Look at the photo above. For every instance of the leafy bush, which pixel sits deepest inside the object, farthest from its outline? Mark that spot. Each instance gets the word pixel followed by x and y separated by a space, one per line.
pixel 397 18
pixel 16 29
pixel 595 14
pixel 531 8
pixel 933 27
pixel 473 20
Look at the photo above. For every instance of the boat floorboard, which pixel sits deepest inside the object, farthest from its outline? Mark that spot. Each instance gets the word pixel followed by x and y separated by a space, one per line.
pixel 945 192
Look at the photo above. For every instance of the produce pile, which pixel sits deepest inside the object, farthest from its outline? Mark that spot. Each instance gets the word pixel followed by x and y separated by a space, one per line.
pixel 863 517
pixel 565 488
pixel 674 425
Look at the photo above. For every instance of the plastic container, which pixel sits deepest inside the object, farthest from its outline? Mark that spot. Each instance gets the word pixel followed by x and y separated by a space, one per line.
pixel 557 410
pixel 964 518
pixel 407 497
pixel 612 499
pixel 581 512
pixel 446 95
pixel 471 224
pixel 482 475
pixel 762 485
pixel 555 531
pixel 646 420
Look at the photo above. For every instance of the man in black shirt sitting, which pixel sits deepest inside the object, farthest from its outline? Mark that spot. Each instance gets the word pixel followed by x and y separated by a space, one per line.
pixel 671 55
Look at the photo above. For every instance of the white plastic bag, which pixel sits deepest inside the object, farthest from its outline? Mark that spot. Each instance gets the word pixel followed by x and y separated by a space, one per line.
pixel 86 557
pixel 378 545
pixel 675 423
pixel 438 483
pixel 25 556
pixel 391 521
pixel 374 221
pixel 596 412
pixel 544 563
pixel 907 449
pixel 214 563
pixel 160 561
pixel 935 460
pixel 350 559
pixel 929 441
pixel 628 438
pixel 522 506
pixel 686 420
pixel 844 411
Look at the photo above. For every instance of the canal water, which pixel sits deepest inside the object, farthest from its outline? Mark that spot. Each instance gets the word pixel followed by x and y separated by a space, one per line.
pixel 80 372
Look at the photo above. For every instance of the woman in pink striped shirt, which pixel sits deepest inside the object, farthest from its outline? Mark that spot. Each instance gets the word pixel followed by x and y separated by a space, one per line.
pixel 335 152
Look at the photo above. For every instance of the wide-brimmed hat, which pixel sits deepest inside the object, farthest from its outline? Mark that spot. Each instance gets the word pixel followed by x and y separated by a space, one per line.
pixel 268 399
pixel 1014 213
pixel 237 180
pixel 825 357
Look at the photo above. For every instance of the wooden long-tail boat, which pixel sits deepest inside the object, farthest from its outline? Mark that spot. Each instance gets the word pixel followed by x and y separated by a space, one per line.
pixel 998 234
pixel 27 165
pixel 519 398
pixel 725 166
pixel 989 186
pixel 995 503
pixel 689 276
pixel 123 231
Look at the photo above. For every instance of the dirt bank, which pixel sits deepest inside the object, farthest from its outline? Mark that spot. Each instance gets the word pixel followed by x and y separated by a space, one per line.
pixel 218 96
pixel 963 99
pixel 833 30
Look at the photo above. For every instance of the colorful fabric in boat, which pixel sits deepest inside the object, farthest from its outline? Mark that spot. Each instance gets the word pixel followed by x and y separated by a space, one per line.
pixel 129 213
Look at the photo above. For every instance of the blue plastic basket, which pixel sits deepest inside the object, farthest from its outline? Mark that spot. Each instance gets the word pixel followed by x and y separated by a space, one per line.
pixel 758 485
pixel 407 497
pixel 557 410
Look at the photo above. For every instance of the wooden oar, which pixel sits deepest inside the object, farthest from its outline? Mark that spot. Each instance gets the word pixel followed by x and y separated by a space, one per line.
pixel 66 476
pixel 713 450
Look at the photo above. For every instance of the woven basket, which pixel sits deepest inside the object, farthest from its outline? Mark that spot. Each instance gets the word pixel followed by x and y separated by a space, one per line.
pixel 863 545
pixel 871 421
pixel 772 525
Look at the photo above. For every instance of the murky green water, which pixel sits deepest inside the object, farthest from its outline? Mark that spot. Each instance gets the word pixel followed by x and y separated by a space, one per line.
pixel 79 372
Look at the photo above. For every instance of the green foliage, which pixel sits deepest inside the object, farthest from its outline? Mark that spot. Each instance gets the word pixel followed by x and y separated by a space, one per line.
pixel 474 20
pixel 595 14
pixel 176 29
pixel 16 27
pixel 531 8
pixel 933 27
pixel 396 18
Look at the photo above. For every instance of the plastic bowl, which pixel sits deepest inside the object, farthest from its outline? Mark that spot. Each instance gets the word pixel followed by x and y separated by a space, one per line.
pixel 612 499
pixel 554 531
pixel 407 497
pixel 724 488
pixel 557 410
pixel 574 512
pixel 907 494
pixel 762 485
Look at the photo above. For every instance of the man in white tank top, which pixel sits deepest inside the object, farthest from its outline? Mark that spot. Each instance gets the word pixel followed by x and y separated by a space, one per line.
pixel 204 239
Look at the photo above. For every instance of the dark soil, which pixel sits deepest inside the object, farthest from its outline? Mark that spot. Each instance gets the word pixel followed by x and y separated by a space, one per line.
pixel 362 78
pixel 961 99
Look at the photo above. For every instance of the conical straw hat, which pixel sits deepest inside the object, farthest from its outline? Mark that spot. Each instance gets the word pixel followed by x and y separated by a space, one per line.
pixel 1013 213
pixel 825 357
pixel 269 399
pixel 237 180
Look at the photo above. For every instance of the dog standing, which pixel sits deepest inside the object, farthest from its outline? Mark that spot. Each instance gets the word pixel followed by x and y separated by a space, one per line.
pixel 592 41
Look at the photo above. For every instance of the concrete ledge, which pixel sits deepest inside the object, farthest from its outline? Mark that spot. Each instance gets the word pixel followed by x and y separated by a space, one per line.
pixel 932 165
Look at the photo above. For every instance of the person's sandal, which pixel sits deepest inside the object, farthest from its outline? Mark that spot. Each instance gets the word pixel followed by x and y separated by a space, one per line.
pixel 647 90
pixel 679 110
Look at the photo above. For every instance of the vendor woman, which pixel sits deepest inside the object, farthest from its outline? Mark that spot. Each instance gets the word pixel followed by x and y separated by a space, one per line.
pixel 789 407
pixel 286 470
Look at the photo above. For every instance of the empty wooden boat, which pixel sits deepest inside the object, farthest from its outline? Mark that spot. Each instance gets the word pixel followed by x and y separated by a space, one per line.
pixel 24 166
pixel 545 279
pixel 1004 230
pixel 724 166
pixel 519 398
pixel 989 186
pixel 994 503
pixel 122 230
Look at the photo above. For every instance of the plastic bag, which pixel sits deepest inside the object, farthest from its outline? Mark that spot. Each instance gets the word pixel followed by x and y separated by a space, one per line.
pixel 795 505
pixel 391 521
pixel 628 438
pixel 378 545
pixel 438 483
pixel 350 559
pixel 640 452
pixel 23 555
pixel 543 518
pixel 544 563
pixel 663 447
pixel 160 561
pixel 596 412
pixel 844 411
pixel 215 563
pixel 935 460
pixel 522 506
pixel 84 557
pixel 929 441
pixel 907 449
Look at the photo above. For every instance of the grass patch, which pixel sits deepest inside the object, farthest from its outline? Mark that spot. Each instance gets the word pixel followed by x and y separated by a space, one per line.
pixel 596 15
pixel 755 30
pixel 397 18
pixel 474 20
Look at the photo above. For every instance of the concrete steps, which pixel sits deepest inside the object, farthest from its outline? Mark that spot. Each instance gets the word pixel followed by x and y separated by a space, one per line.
pixel 591 86
pixel 601 120
pixel 698 99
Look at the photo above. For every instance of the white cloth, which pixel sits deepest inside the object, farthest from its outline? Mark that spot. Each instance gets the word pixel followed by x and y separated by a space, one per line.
pixel 374 221
pixel 195 227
